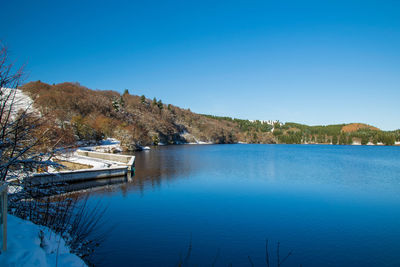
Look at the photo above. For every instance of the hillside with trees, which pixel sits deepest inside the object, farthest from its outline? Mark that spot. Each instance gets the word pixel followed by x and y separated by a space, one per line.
pixel 78 113
pixel 296 133
pixel 82 114
pixel 341 134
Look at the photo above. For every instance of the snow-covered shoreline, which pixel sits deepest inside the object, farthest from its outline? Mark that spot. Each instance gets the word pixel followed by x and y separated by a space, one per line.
pixel 29 244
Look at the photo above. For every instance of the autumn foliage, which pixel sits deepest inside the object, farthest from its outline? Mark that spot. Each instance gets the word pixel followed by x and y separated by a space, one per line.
pixel 85 114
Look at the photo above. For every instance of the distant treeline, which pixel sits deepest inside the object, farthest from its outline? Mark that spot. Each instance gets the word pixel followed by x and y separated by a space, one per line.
pixel 295 133
pixel 245 125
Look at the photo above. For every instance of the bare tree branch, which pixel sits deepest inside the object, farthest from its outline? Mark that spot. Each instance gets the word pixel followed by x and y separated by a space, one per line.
pixel 22 133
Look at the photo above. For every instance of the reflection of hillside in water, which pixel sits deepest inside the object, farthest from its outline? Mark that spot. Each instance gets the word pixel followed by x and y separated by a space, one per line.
pixel 153 167
pixel 162 164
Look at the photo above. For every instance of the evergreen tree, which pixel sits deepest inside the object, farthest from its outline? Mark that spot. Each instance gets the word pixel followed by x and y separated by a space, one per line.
pixel 160 104
pixel 321 138
pixel 143 99
pixel 349 140
pixel 334 140
pixel 154 101
pixel 364 140
pixel 126 92
pixel 277 125
pixel 255 137
pixel 375 140
pixel 342 139
pixel 388 140
pixel 121 102
pixel 116 104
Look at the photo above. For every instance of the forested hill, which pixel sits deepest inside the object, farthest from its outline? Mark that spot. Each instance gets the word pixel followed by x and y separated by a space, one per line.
pixel 79 113
pixel 296 133
pixel 342 134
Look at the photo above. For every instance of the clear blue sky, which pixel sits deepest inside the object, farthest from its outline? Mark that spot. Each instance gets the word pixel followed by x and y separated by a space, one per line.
pixel 314 62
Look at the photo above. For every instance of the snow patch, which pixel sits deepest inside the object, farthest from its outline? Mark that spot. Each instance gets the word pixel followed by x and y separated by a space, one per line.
pixel 29 244
pixel 200 143
pixel 188 136
pixel 21 101
pixel 109 145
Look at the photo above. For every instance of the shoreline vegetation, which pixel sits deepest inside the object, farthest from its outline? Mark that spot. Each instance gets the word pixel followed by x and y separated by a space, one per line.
pixel 78 114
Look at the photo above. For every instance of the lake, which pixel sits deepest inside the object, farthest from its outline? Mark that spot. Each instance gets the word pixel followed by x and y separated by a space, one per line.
pixel 215 205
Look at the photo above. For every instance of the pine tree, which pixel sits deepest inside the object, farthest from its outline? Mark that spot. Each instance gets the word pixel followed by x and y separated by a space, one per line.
pixel 160 104
pixel 349 140
pixel 342 139
pixel 115 104
pixel 364 140
pixel 388 140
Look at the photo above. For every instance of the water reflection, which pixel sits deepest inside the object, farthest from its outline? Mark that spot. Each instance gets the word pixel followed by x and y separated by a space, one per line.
pixel 345 166
pixel 96 185
pixel 164 164
pixel 331 204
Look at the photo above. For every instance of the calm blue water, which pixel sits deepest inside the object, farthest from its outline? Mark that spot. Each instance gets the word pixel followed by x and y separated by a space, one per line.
pixel 331 205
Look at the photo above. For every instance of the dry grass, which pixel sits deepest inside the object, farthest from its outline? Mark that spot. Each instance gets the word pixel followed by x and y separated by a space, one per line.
pixel 73 166
pixel 353 127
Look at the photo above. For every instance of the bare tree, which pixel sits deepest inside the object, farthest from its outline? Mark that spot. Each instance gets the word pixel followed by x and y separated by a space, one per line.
pixel 22 148
pixel 27 143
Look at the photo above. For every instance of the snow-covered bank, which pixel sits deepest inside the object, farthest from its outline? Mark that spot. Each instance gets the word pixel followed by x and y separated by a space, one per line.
pixel 192 140
pixel 31 245
pixel 21 101
pixel 200 143
pixel 109 145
